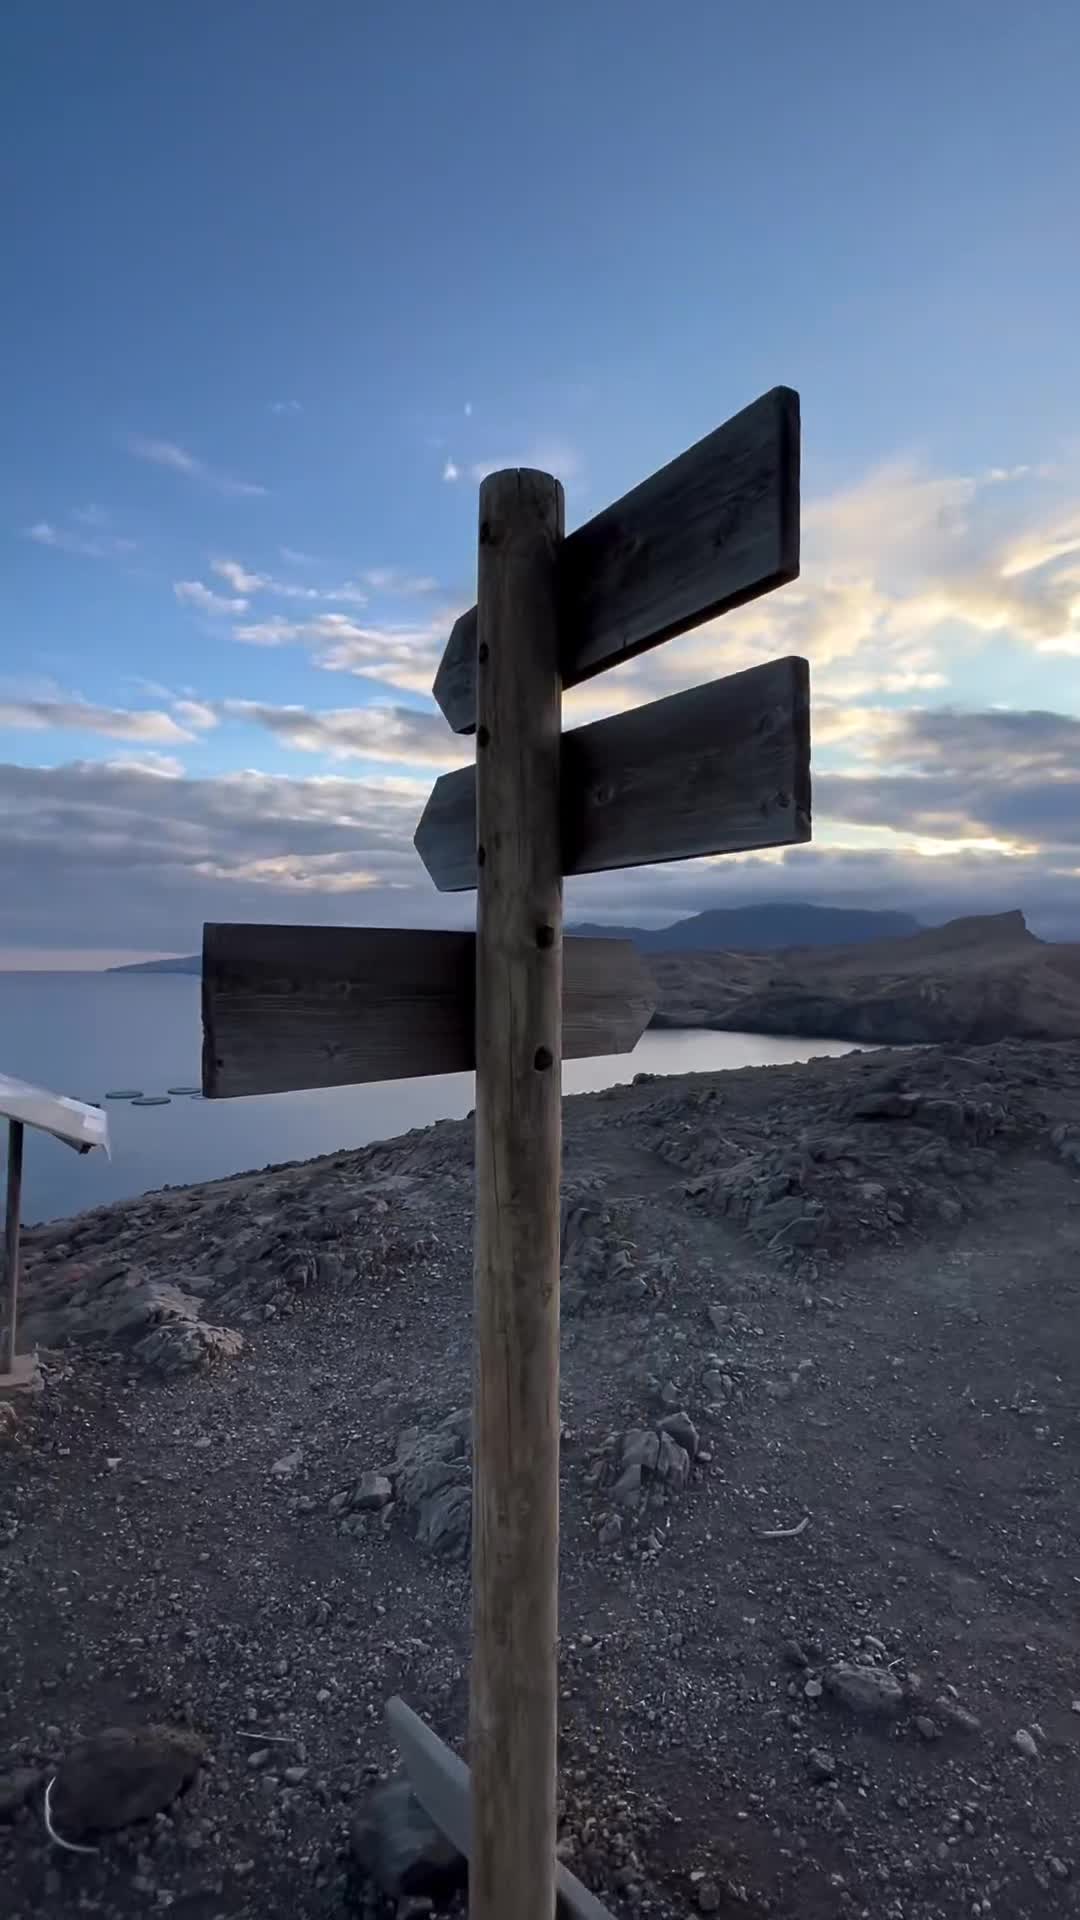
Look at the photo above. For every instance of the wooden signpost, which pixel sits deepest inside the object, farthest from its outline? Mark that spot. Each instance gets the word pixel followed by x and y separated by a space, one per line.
pixel 723 769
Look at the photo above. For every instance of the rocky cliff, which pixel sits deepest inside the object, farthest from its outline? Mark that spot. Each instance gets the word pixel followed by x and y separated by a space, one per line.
pixel 975 980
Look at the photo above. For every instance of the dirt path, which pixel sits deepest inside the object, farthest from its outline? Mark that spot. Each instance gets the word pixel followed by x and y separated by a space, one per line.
pixel 169 1551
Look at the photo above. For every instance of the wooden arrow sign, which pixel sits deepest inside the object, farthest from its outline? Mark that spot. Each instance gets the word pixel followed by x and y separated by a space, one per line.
pixel 715 528
pixel 286 1008
pixel 724 768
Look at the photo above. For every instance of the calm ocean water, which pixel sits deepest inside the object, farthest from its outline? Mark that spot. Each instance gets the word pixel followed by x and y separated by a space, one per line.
pixel 83 1033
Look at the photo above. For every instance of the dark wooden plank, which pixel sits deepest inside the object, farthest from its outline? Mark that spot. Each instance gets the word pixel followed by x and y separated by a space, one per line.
pixel 724 768
pixel 286 1008
pixel 708 532
pixel 440 1781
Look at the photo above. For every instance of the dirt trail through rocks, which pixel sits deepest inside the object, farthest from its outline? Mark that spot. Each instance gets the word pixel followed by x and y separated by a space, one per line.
pixel 821 1574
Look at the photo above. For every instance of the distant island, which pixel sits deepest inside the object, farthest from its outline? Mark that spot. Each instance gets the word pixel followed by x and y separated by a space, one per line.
pixel 184 963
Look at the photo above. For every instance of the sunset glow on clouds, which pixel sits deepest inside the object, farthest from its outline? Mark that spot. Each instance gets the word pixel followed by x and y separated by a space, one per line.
pixel 225 607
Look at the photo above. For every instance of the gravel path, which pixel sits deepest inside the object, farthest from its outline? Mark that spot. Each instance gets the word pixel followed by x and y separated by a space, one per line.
pixel 821 1575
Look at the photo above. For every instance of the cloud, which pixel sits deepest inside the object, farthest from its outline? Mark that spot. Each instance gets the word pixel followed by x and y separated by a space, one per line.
pixel 238 577
pixel 166 453
pixel 905 577
pixel 293 557
pixel 1009 779
pixel 195 714
pixel 82 716
pixel 286 406
pixel 126 854
pixel 451 471
pixel 193 593
pixel 406 735
pixel 243 580
pixel 404 657
pixel 96 547
pixel 393 581
pixel 95 853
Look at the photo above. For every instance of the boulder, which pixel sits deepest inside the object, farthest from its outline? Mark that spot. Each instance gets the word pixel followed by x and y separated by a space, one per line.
pixel 395 1844
pixel 120 1776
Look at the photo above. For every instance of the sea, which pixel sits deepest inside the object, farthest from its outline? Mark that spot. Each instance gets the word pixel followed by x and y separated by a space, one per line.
pixel 86 1034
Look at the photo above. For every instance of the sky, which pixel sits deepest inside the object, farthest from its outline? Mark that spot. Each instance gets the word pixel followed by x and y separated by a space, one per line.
pixel 283 283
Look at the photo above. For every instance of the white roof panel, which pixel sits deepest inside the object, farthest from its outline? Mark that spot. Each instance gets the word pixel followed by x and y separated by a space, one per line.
pixel 73 1121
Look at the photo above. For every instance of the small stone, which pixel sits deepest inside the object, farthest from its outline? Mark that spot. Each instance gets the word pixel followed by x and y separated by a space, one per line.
pixel 813 1690
pixel 627 1487
pixel 16 1789
pixel 673 1464
pixel 1025 1743
pixel 1059 1868
pixel 682 1429
pixel 820 1765
pixel 794 1655
pixel 284 1468
pixel 294 1775
pixel 670 1395
pixel 258 1758
pixel 957 1716
pixel 373 1492
pixel 641 1449
pixel 708 1897
pixel 611 1532
pixel 928 1728
pixel 870 1692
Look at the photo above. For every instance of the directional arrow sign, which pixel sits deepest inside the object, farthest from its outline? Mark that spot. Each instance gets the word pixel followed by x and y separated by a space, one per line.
pixel 722 769
pixel 292 1007
pixel 715 528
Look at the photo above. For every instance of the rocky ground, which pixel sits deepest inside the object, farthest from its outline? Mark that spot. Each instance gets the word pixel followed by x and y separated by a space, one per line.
pixel 821 1463
pixel 976 980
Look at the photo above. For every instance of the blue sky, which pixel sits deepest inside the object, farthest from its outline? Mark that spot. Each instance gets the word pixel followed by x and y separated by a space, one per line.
pixel 286 281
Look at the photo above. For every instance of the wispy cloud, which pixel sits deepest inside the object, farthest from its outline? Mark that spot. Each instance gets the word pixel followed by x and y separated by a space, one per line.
pixel 393 581
pixel 82 716
pixel 451 471
pixel 404 735
pixel 166 453
pixel 244 580
pixel 195 714
pixel 293 557
pixel 286 406
pixel 193 593
pixel 99 546
pixel 404 657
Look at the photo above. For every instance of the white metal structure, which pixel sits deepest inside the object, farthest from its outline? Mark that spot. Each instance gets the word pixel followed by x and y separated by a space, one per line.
pixel 74 1122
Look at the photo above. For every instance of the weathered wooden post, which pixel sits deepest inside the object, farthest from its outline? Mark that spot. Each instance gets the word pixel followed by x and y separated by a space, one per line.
pixel 514 1688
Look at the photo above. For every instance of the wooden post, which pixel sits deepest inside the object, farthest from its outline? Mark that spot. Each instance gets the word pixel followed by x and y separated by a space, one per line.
pixel 11 1240
pixel 514 1692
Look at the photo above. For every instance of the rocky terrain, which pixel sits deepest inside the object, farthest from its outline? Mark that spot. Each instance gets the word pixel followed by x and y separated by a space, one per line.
pixel 974 981
pixel 821 1460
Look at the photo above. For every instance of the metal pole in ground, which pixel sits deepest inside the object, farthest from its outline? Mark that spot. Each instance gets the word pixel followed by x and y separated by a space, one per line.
pixel 514 1687
pixel 11 1241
